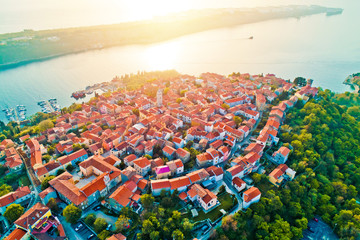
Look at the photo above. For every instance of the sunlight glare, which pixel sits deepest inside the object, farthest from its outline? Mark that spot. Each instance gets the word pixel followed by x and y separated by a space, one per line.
pixel 162 56
pixel 145 9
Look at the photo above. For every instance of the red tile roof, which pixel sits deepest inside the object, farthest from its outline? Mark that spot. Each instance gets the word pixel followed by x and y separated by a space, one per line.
pixel 142 162
pixel 117 236
pixel 169 150
pixel 251 193
pixel 32 215
pixel 284 151
pixel 160 184
pixel 278 171
pixel 179 182
pixel 66 159
pixel 122 196
pixel 238 182
pixel 17 234
pixel 13 196
pixel 182 152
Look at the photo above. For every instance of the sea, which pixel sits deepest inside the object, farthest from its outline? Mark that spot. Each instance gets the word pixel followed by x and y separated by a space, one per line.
pixel 323 48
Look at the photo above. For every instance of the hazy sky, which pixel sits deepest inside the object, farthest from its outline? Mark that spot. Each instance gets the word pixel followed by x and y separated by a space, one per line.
pixel 16 15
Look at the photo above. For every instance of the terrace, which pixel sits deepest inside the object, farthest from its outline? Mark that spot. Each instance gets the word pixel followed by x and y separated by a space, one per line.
pixel 44 225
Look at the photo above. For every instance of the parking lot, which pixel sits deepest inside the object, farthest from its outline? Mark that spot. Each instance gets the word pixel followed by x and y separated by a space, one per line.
pixel 320 231
pixel 84 232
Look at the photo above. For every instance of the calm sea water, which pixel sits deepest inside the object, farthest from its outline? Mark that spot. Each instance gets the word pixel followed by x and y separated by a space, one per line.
pixel 326 49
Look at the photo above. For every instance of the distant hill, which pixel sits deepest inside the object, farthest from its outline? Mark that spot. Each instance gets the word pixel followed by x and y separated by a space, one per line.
pixel 28 46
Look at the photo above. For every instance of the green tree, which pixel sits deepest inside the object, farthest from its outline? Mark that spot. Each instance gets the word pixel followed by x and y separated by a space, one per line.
pixel 136 111
pixel 147 227
pixel 60 171
pixel 45 125
pixel 52 204
pixel 5 189
pixel 45 183
pixel 224 105
pixel 187 227
pixel 46 158
pixel 222 189
pixel 237 120
pixel 13 212
pixel 300 81
pixel 147 200
pixel 121 223
pixel 182 93
pixel 72 214
pixel 148 156
pixel 90 219
pixel 70 168
pixel 76 147
pixel 100 225
pixel 103 235
pixel 178 235
pixel 155 235
pixel 280 229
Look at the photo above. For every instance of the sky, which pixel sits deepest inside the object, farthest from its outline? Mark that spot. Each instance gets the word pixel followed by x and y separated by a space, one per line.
pixel 16 15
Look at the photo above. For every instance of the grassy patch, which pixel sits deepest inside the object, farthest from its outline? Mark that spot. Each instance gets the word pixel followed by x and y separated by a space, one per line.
pixel 226 204
pixel 108 212
pixel 24 180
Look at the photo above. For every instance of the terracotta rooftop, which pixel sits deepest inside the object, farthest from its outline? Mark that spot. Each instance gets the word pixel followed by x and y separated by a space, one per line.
pixel 142 162
pixel 160 184
pixel 251 193
pixel 17 234
pixel 32 215
pixel 179 182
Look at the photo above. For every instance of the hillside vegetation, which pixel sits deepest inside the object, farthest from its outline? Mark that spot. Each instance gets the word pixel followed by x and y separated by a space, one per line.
pixel 326 141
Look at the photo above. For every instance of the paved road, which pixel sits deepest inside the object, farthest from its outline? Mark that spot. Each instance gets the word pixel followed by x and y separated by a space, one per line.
pixel 321 231
pixel 70 232
pixel 100 214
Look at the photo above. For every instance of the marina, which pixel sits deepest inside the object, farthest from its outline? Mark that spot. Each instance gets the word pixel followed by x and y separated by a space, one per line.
pixel 49 106
pixel 17 114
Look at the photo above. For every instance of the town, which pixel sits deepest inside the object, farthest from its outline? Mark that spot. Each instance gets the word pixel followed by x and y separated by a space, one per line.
pixel 192 144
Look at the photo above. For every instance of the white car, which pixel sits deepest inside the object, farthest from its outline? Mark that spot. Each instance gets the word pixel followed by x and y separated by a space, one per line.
pixel 78 227
pixel 108 227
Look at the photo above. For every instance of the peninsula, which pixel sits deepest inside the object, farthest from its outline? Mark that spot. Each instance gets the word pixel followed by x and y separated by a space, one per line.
pixel 353 81
pixel 28 46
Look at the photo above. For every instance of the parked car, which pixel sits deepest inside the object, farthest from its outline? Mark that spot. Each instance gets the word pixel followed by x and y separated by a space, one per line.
pixel 204 228
pixel 78 227
pixel 90 236
pixel 96 208
pixel 310 230
pixel 316 220
pixel 108 227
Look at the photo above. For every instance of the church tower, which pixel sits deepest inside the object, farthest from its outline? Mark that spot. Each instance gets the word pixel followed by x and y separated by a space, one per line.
pixel 159 98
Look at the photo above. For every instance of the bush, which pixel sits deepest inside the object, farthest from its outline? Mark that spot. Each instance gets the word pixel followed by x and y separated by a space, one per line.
pixel 103 235
pixel 72 214
pixel 60 171
pixel 90 219
pixel 45 183
pixel 13 212
pixel 70 168
pixel 222 189
pixel 100 225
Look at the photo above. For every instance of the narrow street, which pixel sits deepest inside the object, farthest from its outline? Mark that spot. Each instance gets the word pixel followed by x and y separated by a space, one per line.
pixel 70 232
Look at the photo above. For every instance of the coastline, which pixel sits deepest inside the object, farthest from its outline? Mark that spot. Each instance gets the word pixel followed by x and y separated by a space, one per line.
pixel 350 81
pixel 137 33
